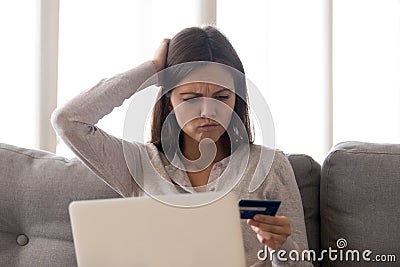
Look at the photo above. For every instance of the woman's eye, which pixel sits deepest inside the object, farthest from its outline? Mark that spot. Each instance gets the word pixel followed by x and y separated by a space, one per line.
pixel 195 98
pixel 223 97
pixel 191 99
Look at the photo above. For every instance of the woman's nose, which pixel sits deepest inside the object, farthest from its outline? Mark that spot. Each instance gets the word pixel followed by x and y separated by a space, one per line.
pixel 208 108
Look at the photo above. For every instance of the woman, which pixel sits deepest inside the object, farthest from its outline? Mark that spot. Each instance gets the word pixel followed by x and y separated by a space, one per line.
pixel 204 118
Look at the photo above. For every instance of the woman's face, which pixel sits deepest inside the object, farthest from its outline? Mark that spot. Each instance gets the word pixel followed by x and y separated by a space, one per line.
pixel 204 110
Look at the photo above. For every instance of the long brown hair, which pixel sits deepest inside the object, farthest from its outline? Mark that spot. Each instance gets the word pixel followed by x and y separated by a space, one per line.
pixel 202 44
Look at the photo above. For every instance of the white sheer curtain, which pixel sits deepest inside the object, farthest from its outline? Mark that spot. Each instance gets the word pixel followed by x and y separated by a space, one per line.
pixel 283 45
pixel 18 50
pixel 366 70
pixel 99 39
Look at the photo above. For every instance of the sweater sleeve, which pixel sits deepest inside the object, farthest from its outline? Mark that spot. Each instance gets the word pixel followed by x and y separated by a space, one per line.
pixel 75 123
pixel 287 191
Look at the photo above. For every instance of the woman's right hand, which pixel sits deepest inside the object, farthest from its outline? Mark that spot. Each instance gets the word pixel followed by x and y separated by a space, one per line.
pixel 160 56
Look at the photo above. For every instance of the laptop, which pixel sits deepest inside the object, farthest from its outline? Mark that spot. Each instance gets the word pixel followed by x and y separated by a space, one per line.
pixel 145 232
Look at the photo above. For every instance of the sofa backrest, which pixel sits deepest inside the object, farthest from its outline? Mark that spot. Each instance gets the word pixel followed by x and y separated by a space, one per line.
pixel 36 188
pixel 308 175
pixel 360 185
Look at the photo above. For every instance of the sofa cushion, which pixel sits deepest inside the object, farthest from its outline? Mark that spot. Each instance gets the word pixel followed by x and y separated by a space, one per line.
pixel 36 188
pixel 360 187
pixel 308 175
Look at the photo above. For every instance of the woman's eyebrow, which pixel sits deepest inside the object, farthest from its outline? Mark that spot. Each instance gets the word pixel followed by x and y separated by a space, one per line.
pixel 198 94
pixel 189 93
pixel 222 90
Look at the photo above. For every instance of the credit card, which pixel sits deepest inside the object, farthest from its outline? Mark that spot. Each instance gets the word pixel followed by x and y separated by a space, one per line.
pixel 249 208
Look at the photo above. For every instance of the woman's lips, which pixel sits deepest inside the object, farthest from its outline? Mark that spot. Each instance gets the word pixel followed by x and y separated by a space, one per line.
pixel 209 127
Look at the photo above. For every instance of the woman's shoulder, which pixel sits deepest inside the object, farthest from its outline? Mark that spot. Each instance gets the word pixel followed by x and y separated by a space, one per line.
pixel 150 150
pixel 260 156
pixel 263 169
pixel 155 155
pixel 279 167
pixel 141 150
pixel 276 155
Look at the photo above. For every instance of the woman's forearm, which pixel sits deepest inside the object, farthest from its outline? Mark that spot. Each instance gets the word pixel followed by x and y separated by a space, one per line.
pixel 75 123
pixel 91 105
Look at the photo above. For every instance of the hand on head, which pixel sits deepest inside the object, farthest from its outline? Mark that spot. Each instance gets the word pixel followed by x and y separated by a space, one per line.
pixel 160 56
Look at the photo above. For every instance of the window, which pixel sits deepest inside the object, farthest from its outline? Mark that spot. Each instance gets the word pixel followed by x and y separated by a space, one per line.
pixel 283 49
pixel 114 38
pixel 18 53
pixel 366 70
pixel 325 81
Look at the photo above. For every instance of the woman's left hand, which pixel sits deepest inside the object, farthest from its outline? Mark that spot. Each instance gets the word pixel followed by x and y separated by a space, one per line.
pixel 271 230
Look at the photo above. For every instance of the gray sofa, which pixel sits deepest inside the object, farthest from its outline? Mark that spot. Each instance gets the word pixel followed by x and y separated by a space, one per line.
pixel 354 200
